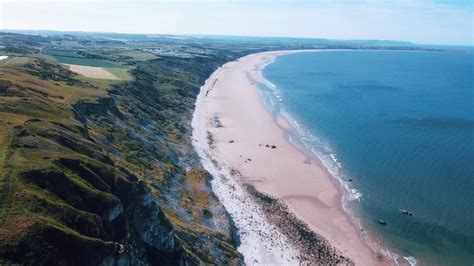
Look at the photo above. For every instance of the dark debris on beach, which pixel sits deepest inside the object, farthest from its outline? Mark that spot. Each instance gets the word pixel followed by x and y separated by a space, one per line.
pixel 314 249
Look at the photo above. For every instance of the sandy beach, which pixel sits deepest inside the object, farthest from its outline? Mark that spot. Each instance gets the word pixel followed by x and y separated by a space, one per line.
pixel 234 131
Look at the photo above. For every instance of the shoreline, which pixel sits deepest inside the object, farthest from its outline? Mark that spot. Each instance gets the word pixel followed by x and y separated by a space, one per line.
pixel 254 143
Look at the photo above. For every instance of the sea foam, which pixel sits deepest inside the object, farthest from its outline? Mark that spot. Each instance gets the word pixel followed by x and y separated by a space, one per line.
pixel 411 260
pixel 306 141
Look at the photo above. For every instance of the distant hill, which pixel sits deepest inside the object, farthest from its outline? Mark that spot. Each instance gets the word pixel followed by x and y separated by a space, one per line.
pixel 246 39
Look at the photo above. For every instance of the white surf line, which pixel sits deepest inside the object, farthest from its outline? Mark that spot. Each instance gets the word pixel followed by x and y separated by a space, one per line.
pixel 260 241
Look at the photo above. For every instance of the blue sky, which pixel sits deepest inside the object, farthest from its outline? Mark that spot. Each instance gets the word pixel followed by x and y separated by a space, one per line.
pixel 422 21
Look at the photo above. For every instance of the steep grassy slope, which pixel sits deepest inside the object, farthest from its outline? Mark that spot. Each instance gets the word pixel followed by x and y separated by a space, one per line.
pixel 46 208
pixel 98 172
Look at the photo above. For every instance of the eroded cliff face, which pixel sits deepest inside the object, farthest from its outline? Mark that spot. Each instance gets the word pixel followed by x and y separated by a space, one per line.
pixel 148 127
pixel 105 173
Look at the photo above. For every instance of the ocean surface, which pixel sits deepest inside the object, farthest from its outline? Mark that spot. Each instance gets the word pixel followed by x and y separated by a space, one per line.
pixel 396 128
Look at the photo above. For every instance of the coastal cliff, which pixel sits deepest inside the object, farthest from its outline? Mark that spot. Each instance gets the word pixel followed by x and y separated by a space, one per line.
pixel 103 172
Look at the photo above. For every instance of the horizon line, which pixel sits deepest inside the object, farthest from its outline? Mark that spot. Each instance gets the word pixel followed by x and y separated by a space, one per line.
pixel 232 35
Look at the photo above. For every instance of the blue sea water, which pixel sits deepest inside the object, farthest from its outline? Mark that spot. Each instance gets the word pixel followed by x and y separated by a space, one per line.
pixel 400 125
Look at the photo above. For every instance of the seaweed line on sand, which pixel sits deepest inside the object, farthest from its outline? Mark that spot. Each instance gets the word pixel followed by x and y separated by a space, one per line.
pixel 268 232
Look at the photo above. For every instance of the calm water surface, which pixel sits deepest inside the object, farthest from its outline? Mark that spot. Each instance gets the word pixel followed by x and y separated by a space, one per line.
pixel 400 125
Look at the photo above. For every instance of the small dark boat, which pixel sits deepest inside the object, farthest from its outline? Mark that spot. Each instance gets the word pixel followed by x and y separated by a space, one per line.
pixel 382 222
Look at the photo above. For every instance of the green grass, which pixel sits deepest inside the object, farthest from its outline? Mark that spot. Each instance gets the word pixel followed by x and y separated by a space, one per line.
pixel 64 53
pixel 4 140
pixel 64 181
pixel 121 73
pixel 13 61
pixel 73 58
pixel 138 55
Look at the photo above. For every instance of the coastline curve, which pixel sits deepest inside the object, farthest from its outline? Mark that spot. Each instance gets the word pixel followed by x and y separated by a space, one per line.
pixel 231 139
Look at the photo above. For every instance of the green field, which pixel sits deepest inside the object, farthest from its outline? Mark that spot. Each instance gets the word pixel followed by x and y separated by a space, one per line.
pixel 71 57
pixel 121 73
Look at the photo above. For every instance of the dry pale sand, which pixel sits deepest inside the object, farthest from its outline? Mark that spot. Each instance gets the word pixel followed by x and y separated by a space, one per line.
pixel 92 72
pixel 283 172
